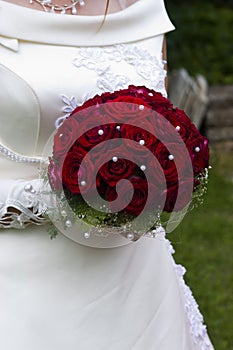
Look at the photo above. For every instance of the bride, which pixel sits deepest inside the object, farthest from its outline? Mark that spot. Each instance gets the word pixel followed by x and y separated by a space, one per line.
pixel 58 294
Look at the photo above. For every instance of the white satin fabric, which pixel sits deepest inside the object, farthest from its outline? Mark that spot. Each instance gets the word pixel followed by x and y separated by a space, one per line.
pixel 144 19
pixel 56 294
pixel 60 295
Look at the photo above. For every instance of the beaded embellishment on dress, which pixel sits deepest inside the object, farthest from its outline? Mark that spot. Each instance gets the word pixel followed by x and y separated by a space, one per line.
pixel 5 151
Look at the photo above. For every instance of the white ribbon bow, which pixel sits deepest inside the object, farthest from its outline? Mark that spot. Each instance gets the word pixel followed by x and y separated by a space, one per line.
pixel 11 44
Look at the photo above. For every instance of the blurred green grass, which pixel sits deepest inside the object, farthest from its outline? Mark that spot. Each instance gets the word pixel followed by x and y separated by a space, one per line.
pixel 204 244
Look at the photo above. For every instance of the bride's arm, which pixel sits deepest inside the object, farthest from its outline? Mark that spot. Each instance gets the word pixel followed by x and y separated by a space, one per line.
pixel 164 55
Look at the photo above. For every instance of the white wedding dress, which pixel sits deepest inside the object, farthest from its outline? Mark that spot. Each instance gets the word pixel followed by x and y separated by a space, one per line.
pixel 57 294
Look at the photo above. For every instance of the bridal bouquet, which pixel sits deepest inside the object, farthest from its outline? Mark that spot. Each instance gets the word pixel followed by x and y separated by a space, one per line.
pixel 124 158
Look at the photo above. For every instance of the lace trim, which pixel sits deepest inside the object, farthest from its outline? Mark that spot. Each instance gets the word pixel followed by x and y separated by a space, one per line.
pixel 99 60
pixel 197 327
pixel 15 214
pixel 26 216
pixel 146 65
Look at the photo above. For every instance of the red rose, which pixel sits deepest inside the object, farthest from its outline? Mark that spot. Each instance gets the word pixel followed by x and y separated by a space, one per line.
pixel 126 108
pixel 110 96
pixel 101 185
pixel 141 136
pixel 134 91
pixel 95 136
pixel 163 129
pixel 181 121
pixel 171 162
pixel 141 92
pixel 112 172
pixel 199 152
pixel 152 98
pixel 64 138
pixel 185 195
pixel 139 199
pixel 73 174
pixel 160 101
pixel 54 174
pixel 93 115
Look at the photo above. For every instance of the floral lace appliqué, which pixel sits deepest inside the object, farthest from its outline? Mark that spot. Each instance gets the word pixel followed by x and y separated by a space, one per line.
pixel 70 104
pixel 197 327
pixel 100 60
pixel 24 206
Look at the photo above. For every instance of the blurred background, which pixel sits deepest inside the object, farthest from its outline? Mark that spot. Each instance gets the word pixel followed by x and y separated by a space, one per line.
pixel 200 61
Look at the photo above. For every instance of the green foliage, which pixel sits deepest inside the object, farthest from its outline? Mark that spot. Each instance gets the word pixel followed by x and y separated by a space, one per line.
pixel 202 41
pixel 204 244
pixel 107 219
pixel 52 231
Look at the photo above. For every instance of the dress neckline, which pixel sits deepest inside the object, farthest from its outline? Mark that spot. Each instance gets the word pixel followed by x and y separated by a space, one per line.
pixel 142 19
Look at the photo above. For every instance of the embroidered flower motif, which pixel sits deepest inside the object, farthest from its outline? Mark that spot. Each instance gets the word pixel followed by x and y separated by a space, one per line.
pixel 197 327
pixel 146 65
pixel 99 60
pixel 70 105
pixel 25 207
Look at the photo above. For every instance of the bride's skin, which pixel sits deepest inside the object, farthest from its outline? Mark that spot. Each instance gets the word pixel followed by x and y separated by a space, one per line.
pixel 91 8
